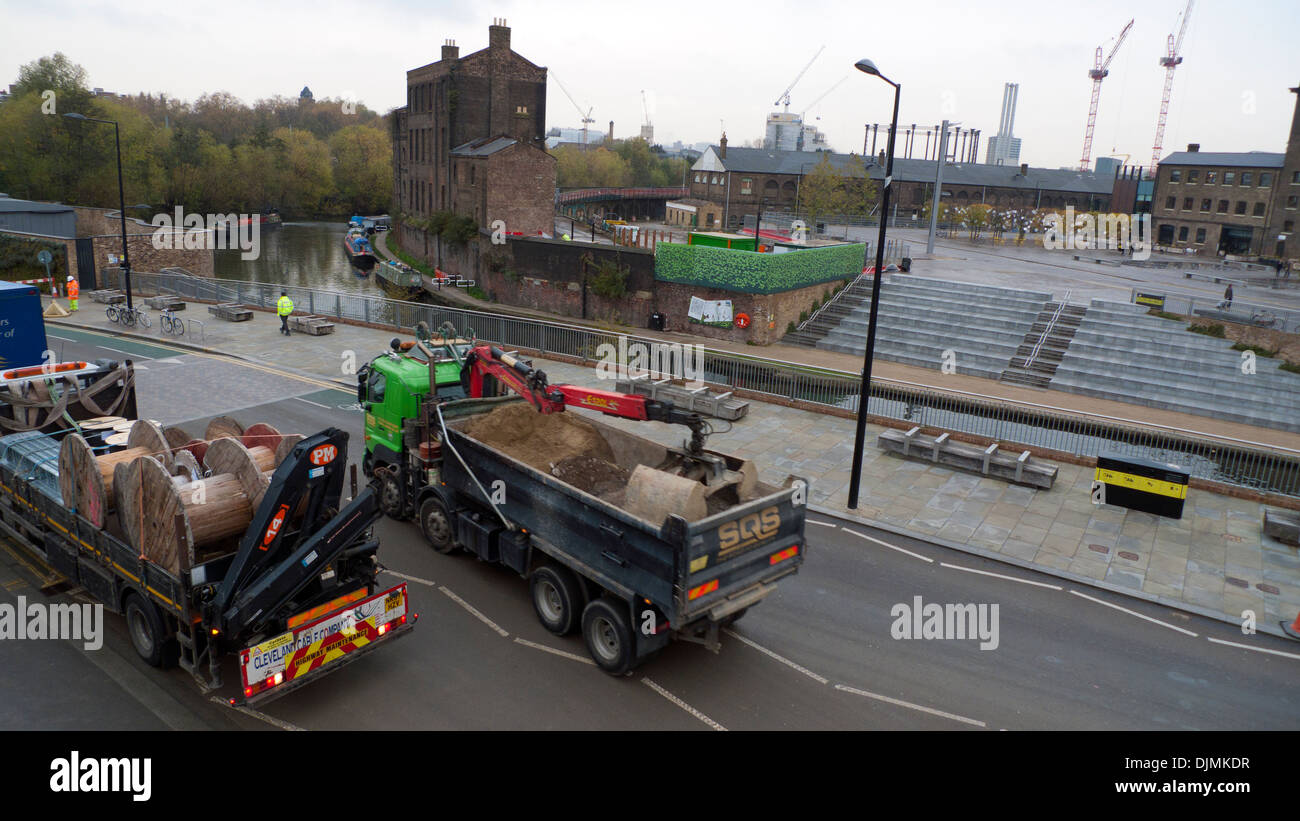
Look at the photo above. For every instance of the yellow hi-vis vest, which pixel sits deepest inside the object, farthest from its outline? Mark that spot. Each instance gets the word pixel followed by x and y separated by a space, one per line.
pixel 284 306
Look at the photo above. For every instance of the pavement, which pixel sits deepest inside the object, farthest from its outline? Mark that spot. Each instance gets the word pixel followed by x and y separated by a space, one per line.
pixel 1215 561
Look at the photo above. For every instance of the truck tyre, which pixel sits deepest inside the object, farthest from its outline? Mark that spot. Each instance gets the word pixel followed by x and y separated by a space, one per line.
pixel 148 635
pixel 735 617
pixel 390 496
pixel 557 598
pixel 436 525
pixel 609 639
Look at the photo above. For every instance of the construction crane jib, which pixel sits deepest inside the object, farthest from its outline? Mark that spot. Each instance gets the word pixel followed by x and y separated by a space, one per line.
pixel 1100 69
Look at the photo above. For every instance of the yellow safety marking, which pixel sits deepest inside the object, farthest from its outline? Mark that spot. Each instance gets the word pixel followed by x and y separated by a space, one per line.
pixel 699 564
pixel 1142 483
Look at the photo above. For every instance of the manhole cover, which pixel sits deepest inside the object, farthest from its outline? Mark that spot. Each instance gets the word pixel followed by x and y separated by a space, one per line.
pixel 1099 548
pixel 1268 588
pixel 1237 582
pixel 1125 554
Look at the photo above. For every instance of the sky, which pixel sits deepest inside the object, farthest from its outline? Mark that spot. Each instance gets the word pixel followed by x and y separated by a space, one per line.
pixel 706 68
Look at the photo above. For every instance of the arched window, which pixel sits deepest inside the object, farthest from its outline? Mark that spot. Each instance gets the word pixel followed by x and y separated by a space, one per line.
pixel 962 197
pixel 770 188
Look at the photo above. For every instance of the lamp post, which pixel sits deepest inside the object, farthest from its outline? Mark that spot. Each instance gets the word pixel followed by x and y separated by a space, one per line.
pixel 121 198
pixel 855 480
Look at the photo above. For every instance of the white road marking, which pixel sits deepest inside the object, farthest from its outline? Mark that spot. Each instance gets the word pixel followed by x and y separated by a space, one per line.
pixel 1000 576
pixel 474 612
pixel 910 705
pixel 1132 613
pixel 309 402
pixel 760 648
pixel 823 524
pixel 1256 649
pixel 688 708
pixel 249 711
pixel 888 545
pixel 553 651
pixel 415 579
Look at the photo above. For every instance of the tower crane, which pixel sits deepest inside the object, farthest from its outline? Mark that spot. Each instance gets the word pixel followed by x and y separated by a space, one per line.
pixel 784 99
pixel 823 96
pixel 586 116
pixel 1170 61
pixel 1100 69
pixel 645 109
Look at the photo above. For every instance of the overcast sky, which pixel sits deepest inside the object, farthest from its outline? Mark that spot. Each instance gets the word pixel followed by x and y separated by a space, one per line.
pixel 705 66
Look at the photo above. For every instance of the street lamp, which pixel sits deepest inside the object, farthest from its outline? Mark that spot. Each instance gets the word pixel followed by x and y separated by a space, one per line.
pixel 121 197
pixel 855 479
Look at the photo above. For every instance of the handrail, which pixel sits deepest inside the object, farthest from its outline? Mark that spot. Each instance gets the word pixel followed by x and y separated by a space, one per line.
pixel 831 301
pixel 1051 323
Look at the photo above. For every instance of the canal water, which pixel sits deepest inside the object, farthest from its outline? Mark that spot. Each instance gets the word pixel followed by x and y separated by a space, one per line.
pixel 308 254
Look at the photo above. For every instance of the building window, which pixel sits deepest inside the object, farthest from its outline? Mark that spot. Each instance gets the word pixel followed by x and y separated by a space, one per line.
pixel 716 181
pixel 521 109
pixel 1247 178
pixel 1295 177
pixel 697 177
pixel 1229 177
pixel 1193 176
pixel 1259 209
pixel 1207 204
pixel 1291 202
pixel 1288 225
pixel 1171 203
pixel 745 185
pixel 1176 175
pixel 1187 203
pixel 1211 177
pixel 1265 179
pixel 1223 206
pixel 1241 207
pixel 472 168
pixel 1200 236
pixel 1182 234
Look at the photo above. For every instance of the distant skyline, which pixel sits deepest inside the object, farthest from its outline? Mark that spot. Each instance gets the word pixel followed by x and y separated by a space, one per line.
pixel 712 68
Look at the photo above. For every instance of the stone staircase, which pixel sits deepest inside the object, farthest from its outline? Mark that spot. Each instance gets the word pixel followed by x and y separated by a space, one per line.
pixel 831 314
pixel 1036 360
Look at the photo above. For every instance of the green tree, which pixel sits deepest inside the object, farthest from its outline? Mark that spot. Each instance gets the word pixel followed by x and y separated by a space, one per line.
pixel 363 168
pixel 65 78
pixel 822 191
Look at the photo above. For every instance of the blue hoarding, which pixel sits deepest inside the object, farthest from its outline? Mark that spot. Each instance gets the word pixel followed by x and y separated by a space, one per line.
pixel 22 329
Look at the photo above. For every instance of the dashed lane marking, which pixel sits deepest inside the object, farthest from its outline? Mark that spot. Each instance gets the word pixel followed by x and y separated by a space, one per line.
pixel 909 705
pixel 249 711
pixel 887 544
pixel 1000 576
pixel 1256 649
pixel 1133 613
pixel 474 612
pixel 553 651
pixel 688 708
pixel 415 579
pixel 317 404
pixel 760 648
pixel 823 524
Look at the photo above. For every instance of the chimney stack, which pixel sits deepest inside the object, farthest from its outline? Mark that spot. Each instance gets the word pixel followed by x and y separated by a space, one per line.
pixel 1193 148
pixel 1024 169
pixel 611 132
pixel 499 35
pixel 722 147
pixel 450 51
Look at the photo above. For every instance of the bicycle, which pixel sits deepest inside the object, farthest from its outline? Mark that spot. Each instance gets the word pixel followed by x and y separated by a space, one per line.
pixel 172 324
pixel 127 316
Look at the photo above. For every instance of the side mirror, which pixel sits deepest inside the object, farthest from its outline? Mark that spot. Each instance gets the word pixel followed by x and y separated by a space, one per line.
pixel 362 376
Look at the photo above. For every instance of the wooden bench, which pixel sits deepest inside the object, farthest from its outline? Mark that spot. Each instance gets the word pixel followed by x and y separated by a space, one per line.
pixel 107 296
pixel 165 303
pixel 701 400
pixel 232 311
pixel 310 324
pixel 1283 525
pixel 1008 465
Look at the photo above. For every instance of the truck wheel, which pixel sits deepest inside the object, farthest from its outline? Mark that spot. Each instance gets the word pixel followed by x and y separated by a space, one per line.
pixel 556 598
pixel 436 525
pixel 609 639
pixel 147 632
pixel 390 497
pixel 735 617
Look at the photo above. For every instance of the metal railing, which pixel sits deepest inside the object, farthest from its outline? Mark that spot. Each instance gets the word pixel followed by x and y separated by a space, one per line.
pixel 1051 323
pixel 1207 456
pixel 828 303
pixel 1266 316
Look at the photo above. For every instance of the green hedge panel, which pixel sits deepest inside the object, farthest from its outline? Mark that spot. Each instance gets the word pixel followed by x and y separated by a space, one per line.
pixel 747 272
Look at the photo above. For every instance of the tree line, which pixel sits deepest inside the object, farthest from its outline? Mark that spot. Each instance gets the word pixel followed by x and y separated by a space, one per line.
pixel 630 164
pixel 216 155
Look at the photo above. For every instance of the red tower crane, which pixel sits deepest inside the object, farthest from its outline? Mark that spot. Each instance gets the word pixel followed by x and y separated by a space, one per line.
pixel 1170 61
pixel 1098 73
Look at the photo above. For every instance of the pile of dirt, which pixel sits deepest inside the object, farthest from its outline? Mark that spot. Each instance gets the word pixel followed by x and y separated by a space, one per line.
pixel 540 440
pixel 595 476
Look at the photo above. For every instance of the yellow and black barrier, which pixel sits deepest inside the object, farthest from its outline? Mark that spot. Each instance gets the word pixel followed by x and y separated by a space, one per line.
pixel 1141 484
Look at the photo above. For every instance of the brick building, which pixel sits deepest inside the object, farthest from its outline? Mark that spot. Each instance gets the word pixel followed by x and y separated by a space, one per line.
pixel 1241 203
pixel 743 179
pixel 471 139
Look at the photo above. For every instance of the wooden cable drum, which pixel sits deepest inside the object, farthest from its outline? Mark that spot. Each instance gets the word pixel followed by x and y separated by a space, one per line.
pixel 102 422
pixel 211 510
pixel 86 479
pixel 261 435
pixel 197 447
pixel 249 466
pixel 223 426
pixel 176 437
pixel 184 464
pixel 287 443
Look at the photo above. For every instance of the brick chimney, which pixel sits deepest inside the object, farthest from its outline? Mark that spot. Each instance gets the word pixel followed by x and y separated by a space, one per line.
pixel 611 132
pixel 722 147
pixel 1024 169
pixel 1192 148
pixel 450 51
pixel 499 35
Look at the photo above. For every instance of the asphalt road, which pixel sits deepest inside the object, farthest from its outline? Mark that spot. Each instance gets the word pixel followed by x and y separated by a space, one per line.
pixel 817 654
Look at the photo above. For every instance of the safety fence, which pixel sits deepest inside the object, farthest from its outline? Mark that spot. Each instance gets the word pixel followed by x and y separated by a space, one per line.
pixel 1229 461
